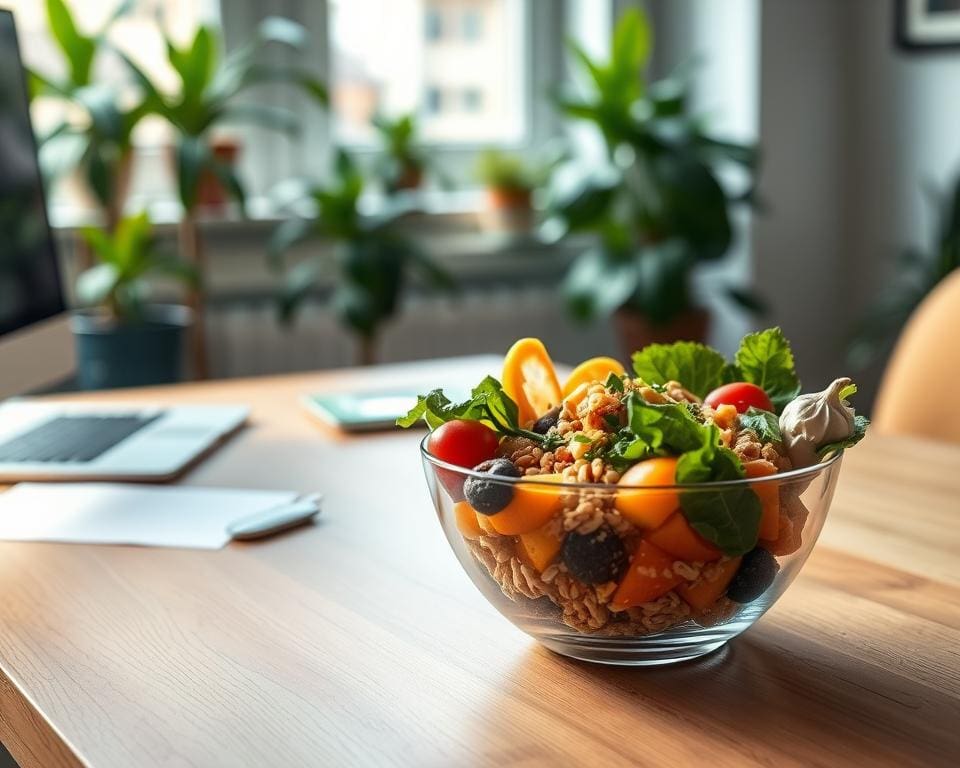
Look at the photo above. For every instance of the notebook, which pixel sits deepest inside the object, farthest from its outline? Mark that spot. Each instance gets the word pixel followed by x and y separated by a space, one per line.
pixel 114 513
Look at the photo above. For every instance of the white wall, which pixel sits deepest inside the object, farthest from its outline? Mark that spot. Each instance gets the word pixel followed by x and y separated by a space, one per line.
pixel 851 127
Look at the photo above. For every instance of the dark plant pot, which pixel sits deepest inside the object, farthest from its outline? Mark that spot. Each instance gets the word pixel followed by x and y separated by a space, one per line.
pixel 112 354
pixel 636 331
pixel 409 178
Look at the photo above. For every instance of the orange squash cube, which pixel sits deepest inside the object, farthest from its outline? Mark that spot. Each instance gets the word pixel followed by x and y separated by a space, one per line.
pixel 466 519
pixel 649 576
pixel 769 495
pixel 704 592
pixel 677 538
pixel 532 506
pixel 540 548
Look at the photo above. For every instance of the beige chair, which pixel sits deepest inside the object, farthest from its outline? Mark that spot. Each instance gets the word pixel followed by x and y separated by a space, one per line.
pixel 920 391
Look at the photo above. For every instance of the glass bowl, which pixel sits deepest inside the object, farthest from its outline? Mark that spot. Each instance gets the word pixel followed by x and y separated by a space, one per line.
pixel 673 597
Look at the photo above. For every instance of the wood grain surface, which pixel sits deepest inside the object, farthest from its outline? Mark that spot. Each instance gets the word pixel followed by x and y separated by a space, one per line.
pixel 359 641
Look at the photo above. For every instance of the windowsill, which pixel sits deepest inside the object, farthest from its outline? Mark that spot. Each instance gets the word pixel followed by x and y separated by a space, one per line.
pixel 451 229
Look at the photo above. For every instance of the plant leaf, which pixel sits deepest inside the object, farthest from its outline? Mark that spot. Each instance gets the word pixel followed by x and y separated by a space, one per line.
pixel 76 47
pixel 763 423
pixel 765 359
pixel 696 366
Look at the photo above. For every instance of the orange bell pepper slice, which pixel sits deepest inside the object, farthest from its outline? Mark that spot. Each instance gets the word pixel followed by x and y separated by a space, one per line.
pixel 530 380
pixel 589 371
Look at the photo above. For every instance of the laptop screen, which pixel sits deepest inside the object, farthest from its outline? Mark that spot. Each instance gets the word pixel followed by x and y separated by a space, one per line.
pixel 29 274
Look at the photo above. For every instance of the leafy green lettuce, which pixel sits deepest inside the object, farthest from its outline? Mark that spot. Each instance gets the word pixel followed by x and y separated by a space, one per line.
pixel 698 367
pixel 765 359
pixel 727 517
pixel 488 403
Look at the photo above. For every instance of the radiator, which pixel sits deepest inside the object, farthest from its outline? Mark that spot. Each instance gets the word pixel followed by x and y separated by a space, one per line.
pixel 246 339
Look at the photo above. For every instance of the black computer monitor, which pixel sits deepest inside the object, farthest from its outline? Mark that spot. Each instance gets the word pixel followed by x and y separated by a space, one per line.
pixel 30 288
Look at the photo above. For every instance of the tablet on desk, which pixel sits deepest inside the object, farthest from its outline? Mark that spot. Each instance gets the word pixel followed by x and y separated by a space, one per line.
pixel 360 411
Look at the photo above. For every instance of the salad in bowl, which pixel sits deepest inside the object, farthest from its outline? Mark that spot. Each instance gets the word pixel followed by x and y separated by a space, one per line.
pixel 639 517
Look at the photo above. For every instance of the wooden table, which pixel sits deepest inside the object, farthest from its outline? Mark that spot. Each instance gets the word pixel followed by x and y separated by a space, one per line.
pixel 361 642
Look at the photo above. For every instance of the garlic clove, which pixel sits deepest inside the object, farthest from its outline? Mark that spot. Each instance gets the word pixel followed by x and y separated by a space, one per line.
pixel 815 419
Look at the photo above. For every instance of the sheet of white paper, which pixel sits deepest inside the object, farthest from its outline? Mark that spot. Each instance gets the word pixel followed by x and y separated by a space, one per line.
pixel 112 513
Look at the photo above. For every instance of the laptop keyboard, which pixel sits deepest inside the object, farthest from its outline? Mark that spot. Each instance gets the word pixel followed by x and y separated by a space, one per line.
pixel 76 439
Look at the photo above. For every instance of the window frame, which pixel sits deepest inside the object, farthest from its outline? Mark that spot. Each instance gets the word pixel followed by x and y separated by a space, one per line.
pixel 544 36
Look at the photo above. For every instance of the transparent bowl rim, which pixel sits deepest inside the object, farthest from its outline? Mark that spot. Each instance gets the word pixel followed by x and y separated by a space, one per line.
pixel 780 477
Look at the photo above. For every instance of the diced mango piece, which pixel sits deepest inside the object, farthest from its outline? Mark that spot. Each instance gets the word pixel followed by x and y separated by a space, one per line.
pixel 540 548
pixel 466 519
pixel 793 516
pixel 643 507
pixel 531 507
pixel 769 495
pixel 649 576
pixel 677 538
pixel 704 592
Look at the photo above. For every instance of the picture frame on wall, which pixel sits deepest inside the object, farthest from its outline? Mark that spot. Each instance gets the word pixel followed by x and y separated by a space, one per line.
pixel 927 24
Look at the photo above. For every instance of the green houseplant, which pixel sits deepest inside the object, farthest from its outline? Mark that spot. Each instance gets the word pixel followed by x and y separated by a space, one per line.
pixel 659 208
pixel 918 272
pixel 211 84
pixel 371 262
pixel 96 136
pixel 510 181
pixel 402 164
pixel 122 339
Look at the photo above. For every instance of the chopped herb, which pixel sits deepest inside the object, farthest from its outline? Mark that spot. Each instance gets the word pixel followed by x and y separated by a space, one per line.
pixel 582 439
pixel 614 382
pixel 763 423
pixel 860 424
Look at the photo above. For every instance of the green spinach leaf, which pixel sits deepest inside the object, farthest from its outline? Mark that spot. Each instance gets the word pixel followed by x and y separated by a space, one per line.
pixel 765 359
pixel 696 366
pixel 763 423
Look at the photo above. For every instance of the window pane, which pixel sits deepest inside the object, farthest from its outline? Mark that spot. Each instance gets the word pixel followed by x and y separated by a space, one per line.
pixel 458 64
pixel 136 34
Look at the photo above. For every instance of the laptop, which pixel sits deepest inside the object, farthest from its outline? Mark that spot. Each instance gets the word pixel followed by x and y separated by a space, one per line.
pixel 43 439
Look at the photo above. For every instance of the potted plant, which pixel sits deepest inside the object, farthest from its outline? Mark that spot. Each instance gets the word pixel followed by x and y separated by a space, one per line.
pixel 211 83
pixel 402 164
pixel 95 138
pixel 658 208
pixel 122 340
pixel 510 183
pixel 372 260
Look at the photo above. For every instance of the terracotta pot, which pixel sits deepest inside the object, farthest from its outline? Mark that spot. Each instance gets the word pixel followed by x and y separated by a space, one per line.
pixel 211 194
pixel 636 331
pixel 508 210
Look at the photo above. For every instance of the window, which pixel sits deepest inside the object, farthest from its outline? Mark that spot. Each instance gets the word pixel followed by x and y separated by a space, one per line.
pixel 473 100
pixel 434 101
pixel 384 68
pixel 135 33
pixel 472 24
pixel 434 24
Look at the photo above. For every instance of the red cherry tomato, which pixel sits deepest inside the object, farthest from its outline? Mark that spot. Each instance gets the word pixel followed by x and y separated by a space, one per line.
pixel 464 443
pixel 741 395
